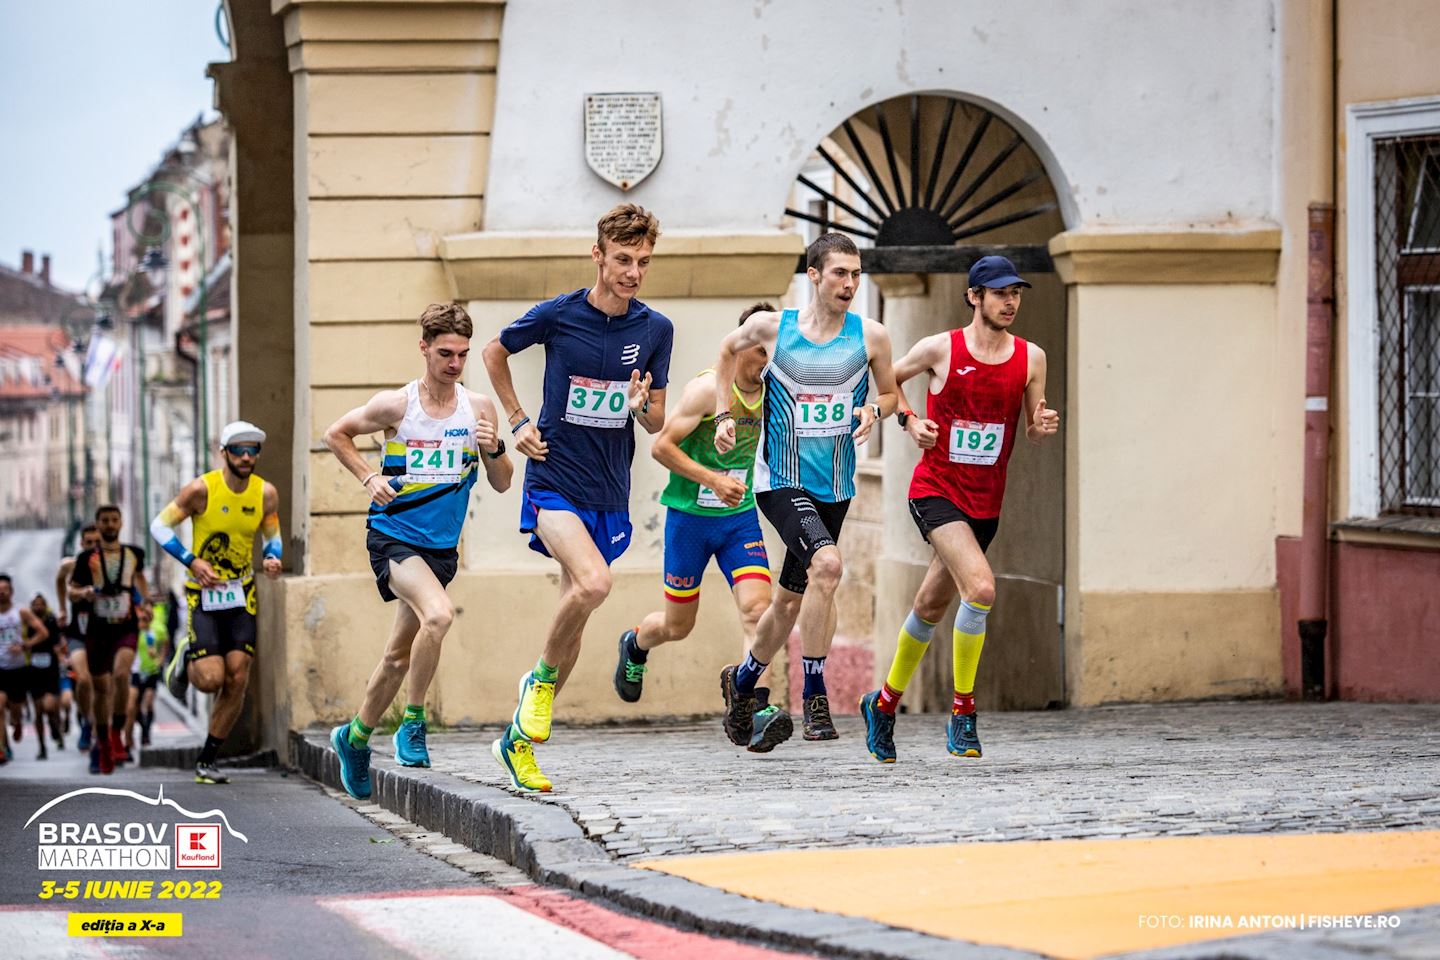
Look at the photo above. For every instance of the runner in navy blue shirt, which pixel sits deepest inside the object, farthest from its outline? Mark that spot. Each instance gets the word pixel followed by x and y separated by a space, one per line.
pixel 607 362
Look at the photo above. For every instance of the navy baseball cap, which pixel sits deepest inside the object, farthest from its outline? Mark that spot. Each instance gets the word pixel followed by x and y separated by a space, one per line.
pixel 994 272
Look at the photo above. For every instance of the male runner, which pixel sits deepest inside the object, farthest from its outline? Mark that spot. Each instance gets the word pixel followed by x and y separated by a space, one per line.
pixel 818 407
pixel 111 577
pixel 436 434
pixel 16 623
pixel 226 508
pixel 44 654
pixel 75 626
pixel 149 660
pixel 979 376
pixel 710 513
pixel 576 499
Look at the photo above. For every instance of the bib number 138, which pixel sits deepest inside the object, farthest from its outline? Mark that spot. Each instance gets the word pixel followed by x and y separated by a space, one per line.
pixel 975 442
pixel 822 414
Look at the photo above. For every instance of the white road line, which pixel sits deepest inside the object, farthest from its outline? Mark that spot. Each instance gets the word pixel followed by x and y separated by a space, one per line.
pixel 462 927
pixel 44 935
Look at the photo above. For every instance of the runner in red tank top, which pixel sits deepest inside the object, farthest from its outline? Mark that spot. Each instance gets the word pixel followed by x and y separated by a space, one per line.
pixel 980 377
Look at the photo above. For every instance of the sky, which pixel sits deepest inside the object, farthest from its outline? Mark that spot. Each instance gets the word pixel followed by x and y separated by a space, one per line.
pixel 92 92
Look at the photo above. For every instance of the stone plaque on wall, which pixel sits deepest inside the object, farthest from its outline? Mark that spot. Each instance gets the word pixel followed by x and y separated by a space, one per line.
pixel 622 136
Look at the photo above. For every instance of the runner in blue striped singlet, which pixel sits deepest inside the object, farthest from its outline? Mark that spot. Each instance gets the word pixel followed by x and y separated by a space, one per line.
pixel 827 383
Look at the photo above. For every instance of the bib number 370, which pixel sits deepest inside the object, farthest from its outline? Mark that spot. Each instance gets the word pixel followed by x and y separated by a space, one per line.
pixel 598 403
pixel 975 442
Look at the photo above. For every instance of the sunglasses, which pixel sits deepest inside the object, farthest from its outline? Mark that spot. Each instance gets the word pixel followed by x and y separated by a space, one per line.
pixel 244 449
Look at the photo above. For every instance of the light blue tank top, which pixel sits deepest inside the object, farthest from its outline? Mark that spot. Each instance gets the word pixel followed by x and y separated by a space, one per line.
pixel 812 392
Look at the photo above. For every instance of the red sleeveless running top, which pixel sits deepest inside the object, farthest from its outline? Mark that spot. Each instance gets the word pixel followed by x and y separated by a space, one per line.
pixel 978 411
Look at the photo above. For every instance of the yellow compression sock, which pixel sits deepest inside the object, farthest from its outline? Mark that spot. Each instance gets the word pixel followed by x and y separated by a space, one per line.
pixel 969 637
pixel 914 641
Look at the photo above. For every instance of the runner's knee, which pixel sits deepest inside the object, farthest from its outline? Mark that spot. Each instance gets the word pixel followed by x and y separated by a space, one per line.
pixel 438 617
pixel 825 570
pixel 591 588
pixel 751 611
pixel 981 591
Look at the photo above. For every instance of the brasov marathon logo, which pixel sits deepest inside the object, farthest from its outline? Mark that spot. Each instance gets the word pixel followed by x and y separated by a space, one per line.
pixel 133 844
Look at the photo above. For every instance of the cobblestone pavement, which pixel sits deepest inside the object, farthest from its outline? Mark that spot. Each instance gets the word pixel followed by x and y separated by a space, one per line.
pixel 1140 771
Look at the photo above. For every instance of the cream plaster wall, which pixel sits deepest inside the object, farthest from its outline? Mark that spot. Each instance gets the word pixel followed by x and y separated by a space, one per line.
pixel 774 79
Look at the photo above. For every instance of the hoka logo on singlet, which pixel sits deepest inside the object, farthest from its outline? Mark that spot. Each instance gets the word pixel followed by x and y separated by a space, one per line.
pixel 457 432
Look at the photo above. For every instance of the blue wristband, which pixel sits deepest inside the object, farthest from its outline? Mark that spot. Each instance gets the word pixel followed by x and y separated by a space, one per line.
pixel 516 428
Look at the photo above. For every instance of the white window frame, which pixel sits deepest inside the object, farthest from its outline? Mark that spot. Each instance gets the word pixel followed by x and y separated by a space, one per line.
pixel 1364 124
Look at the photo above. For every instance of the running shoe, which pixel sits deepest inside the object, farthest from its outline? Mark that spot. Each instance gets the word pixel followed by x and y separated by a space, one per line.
pixel 818 725
pixel 107 757
pixel 410 744
pixel 95 758
pixel 879 728
pixel 962 739
pixel 537 703
pixel 177 673
pixel 43 754
pixel 354 763
pixel 517 756
pixel 118 750
pixel 629 674
pixel 207 773
pixel 739 710
pixel 84 742
pixel 772 727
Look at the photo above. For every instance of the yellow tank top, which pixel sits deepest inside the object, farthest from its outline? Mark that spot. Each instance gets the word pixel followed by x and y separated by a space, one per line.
pixel 224 535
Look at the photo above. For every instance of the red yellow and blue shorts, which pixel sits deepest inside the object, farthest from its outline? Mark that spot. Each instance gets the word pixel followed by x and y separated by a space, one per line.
pixel 691 539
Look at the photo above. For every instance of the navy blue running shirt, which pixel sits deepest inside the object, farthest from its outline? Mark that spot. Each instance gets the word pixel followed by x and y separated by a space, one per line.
pixel 584 419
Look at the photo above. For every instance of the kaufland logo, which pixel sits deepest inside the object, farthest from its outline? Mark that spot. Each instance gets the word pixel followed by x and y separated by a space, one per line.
pixel 197 846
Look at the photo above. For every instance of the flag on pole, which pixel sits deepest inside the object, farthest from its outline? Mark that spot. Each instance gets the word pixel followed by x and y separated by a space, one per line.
pixel 100 361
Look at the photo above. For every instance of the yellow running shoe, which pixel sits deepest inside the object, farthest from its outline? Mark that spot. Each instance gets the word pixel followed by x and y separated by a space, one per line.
pixel 537 703
pixel 518 758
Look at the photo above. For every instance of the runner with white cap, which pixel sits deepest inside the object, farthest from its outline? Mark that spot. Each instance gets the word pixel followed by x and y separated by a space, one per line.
pixel 227 507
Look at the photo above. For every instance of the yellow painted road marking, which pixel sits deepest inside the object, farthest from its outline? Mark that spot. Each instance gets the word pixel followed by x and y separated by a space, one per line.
pixel 1080 899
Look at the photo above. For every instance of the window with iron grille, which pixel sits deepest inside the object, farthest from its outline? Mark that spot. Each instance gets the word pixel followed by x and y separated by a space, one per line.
pixel 1407 268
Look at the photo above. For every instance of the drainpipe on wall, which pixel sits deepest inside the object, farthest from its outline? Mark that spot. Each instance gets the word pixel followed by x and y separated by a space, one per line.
pixel 1315 539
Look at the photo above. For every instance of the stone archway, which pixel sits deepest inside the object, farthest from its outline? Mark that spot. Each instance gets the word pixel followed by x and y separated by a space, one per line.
pixel 927 184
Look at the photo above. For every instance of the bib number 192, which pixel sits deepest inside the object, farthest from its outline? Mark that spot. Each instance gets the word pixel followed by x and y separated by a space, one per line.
pixel 975 442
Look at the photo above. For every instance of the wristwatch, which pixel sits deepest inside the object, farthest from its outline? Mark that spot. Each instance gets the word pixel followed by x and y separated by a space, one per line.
pixel 902 417
pixel 875 409
pixel 499 450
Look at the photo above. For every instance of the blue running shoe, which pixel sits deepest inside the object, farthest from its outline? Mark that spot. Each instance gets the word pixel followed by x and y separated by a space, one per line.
pixel 410 744
pixel 354 763
pixel 963 740
pixel 84 743
pixel 879 728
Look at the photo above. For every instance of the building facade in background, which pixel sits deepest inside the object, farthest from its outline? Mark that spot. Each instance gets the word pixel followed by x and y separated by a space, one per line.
pixel 1151 168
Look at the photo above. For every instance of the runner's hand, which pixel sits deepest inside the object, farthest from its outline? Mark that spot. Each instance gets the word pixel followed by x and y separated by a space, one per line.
pixel 485 435
pixel 725 435
pixel 529 442
pixel 204 573
pixel 1046 422
pixel 380 490
pixel 924 432
pixel 62 621
pixel 639 391
pixel 867 420
pixel 271 567
pixel 728 489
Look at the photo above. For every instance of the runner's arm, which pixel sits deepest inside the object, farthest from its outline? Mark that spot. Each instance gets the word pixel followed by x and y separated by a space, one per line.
pixel 697 401
pixel 62 589
pixel 190 501
pixel 498 470
pixel 882 371
pixel 1040 421
pixel 272 548
pixel 526 431
pixel 80 585
pixel 926 356
pixel 142 588
pixel 38 630
pixel 759 330
pixel 383 411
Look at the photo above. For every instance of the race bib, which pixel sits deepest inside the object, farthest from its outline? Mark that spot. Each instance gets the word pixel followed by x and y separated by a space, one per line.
pixel 435 461
pixel 598 403
pixel 709 498
pixel 112 606
pixel 823 414
pixel 225 595
pixel 974 442
pixel 41 660
pixel 82 622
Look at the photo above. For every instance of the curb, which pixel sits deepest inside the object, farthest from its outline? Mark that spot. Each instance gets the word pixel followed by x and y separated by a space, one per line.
pixel 183 758
pixel 542 840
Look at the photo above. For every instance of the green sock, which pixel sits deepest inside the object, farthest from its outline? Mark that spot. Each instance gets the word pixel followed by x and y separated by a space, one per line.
pixel 413 712
pixel 359 733
pixel 545 672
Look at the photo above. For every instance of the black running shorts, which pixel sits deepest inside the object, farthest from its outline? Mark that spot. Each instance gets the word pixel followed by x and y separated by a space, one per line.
pixel 806 526
pixel 383 549
pixel 216 632
pixel 931 512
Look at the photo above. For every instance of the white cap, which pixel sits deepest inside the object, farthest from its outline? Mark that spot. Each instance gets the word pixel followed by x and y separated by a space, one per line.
pixel 241 431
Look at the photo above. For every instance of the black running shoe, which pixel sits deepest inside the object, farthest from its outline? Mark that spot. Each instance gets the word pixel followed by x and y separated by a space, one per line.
pixel 818 725
pixel 773 727
pixel 629 674
pixel 739 710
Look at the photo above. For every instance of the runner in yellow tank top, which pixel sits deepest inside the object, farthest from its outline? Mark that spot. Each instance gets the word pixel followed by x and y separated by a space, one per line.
pixel 227 506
